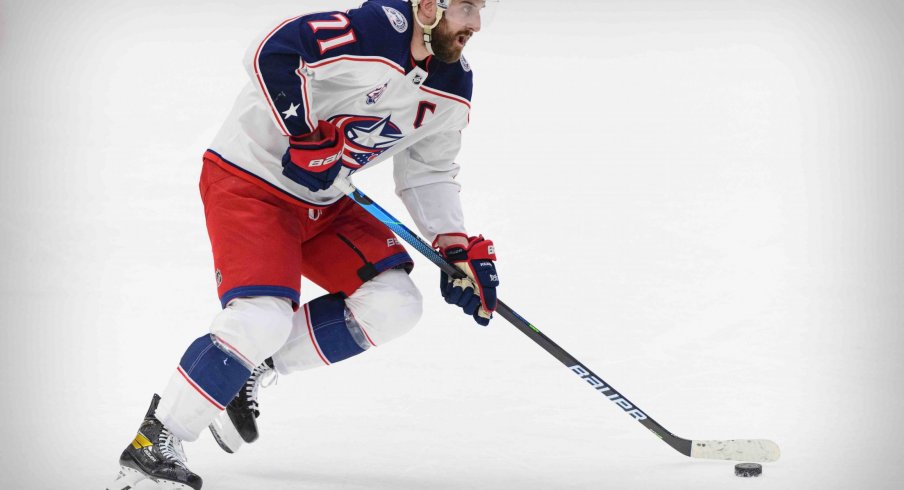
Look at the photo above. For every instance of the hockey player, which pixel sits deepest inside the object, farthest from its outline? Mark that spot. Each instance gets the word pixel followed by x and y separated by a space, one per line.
pixel 330 94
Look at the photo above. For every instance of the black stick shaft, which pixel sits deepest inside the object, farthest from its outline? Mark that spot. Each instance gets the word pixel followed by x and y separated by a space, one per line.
pixel 679 444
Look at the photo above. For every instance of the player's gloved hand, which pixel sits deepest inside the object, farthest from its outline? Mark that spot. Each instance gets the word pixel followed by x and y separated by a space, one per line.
pixel 315 162
pixel 476 292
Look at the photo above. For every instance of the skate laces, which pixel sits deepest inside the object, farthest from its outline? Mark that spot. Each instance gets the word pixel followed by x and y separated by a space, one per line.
pixel 262 376
pixel 171 447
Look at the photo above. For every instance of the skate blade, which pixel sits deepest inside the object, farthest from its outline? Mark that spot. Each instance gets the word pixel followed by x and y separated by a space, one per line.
pixel 224 432
pixel 129 477
pixel 126 479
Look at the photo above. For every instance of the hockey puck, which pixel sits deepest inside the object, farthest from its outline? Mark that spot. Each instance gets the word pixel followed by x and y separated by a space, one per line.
pixel 748 470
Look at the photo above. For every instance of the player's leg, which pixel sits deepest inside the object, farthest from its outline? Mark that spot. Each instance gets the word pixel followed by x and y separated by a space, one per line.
pixel 372 301
pixel 256 243
pixel 331 328
pixel 216 365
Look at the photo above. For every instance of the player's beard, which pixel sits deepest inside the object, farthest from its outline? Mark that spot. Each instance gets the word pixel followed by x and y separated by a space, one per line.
pixel 445 47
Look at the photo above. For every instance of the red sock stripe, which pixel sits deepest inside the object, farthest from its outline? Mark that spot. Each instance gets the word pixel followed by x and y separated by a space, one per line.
pixel 307 318
pixel 198 389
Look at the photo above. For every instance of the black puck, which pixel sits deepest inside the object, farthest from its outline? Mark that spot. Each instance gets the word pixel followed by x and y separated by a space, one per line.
pixel 748 470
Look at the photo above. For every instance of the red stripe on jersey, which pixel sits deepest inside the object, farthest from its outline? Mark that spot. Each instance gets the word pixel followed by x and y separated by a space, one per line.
pixel 358 58
pixel 304 93
pixel 260 79
pixel 455 98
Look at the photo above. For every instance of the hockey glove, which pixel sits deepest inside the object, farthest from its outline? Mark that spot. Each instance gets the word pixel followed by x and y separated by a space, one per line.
pixel 476 292
pixel 315 164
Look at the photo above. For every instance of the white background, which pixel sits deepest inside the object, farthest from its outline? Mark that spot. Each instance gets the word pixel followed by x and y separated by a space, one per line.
pixel 701 200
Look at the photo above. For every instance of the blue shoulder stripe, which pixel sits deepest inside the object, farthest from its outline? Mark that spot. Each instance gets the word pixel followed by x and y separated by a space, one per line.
pixel 453 78
pixel 379 28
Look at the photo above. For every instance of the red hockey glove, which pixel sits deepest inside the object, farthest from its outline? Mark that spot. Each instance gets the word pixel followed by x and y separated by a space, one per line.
pixel 476 292
pixel 315 164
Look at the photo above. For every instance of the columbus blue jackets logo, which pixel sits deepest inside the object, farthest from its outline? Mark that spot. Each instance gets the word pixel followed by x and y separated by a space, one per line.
pixel 398 21
pixel 366 137
pixel 464 64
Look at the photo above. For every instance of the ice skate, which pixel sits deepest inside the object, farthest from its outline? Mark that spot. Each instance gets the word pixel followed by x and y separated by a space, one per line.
pixel 238 423
pixel 155 454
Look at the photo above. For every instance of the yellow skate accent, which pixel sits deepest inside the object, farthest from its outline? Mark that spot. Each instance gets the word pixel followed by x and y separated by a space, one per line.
pixel 141 441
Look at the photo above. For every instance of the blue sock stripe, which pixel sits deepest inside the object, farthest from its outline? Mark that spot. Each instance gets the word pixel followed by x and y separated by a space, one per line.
pixel 331 332
pixel 217 373
pixel 198 357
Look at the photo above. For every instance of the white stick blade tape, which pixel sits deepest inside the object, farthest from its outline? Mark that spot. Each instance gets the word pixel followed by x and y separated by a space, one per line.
pixel 755 450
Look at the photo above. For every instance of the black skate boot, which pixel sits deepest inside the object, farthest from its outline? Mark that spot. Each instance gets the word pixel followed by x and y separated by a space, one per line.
pixel 238 423
pixel 155 454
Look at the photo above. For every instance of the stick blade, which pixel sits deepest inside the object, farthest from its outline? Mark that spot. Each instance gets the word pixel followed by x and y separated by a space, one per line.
pixel 751 450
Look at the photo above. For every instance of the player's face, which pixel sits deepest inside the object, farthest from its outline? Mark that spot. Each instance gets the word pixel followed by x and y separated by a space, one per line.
pixel 459 23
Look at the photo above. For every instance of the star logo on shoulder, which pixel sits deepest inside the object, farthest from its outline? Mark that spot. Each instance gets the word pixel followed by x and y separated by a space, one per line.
pixel 291 111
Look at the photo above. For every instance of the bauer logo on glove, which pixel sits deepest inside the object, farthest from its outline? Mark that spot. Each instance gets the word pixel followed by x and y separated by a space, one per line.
pixel 475 292
pixel 314 159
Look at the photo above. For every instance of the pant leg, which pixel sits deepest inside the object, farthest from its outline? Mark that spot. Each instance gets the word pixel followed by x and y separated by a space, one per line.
pixel 372 300
pixel 256 240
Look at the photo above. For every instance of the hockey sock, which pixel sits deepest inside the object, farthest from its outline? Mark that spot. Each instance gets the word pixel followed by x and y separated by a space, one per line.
pixel 336 335
pixel 206 379
pixel 324 332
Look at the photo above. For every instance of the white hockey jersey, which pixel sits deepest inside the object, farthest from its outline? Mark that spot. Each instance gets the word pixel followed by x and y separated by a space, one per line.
pixel 355 70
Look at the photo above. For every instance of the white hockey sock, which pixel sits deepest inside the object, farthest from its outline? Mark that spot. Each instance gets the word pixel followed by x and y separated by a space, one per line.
pixel 382 309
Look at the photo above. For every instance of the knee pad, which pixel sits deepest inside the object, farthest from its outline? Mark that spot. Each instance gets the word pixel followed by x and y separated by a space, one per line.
pixel 330 329
pixel 387 306
pixel 252 329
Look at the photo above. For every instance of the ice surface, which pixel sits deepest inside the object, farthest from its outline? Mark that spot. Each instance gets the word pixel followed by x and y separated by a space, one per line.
pixel 700 200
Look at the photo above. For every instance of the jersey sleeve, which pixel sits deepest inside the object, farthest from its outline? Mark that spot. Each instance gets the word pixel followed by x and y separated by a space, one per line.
pixel 277 65
pixel 277 62
pixel 425 181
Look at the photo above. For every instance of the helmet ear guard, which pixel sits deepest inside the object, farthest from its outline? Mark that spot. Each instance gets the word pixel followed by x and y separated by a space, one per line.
pixel 445 8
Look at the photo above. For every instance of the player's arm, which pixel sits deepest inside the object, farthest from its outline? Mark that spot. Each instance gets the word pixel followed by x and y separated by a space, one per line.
pixel 425 180
pixel 277 64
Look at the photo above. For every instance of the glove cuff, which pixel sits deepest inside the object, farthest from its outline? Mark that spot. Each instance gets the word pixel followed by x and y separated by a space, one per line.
pixel 330 136
pixel 436 246
pixel 478 248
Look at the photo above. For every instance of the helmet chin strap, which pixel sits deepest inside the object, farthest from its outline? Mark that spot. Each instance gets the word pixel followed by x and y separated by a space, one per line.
pixel 428 30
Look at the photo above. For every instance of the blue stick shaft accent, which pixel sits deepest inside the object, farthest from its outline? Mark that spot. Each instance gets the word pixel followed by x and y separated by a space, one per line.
pixel 404 233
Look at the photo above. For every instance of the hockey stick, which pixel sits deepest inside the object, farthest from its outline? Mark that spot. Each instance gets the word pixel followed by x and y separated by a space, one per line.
pixel 760 450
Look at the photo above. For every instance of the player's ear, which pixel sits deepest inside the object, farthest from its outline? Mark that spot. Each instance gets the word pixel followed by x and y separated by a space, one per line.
pixel 426 10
